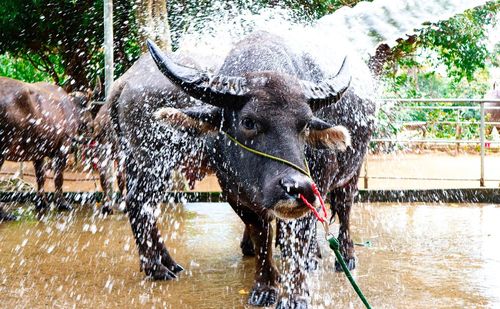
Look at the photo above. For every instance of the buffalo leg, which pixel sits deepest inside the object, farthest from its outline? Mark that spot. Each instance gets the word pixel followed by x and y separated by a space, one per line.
pixel 246 243
pixel 341 201
pixel 265 289
pixel 107 190
pixel 59 166
pixel 314 254
pixel 144 192
pixel 41 202
pixel 298 245
pixel 107 180
pixel 4 216
pixel 120 177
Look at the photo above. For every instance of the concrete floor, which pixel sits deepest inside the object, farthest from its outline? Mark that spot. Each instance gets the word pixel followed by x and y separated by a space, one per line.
pixel 422 256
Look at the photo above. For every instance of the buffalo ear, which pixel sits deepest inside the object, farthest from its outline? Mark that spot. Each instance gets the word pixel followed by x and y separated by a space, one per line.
pixel 325 136
pixel 197 120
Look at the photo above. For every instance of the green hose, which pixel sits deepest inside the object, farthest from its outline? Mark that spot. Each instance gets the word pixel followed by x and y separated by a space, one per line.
pixel 335 246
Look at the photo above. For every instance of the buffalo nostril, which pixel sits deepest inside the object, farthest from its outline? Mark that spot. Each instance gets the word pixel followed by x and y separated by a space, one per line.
pixel 295 186
pixel 289 186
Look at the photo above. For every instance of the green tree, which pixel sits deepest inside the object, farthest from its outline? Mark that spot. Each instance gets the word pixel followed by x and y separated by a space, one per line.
pixel 67 34
pixel 459 44
pixel 25 70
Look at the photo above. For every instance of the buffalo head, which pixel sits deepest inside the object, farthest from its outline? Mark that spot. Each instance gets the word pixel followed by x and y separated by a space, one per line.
pixel 83 101
pixel 267 111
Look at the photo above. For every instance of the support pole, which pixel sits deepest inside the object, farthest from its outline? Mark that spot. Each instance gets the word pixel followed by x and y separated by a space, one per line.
pixel 108 47
pixel 366 171
pixel 482 134
pixel 458 132
pixel 21 170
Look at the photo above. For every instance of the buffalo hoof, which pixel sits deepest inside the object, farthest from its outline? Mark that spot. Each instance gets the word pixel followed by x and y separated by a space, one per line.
pixel 169 263
pixel 247 248
pixel 106 210
pixel 41 205
pixel 350 262
pixel 296 303
pixel 63 205
pixel 159 272
pixel 5 216
pixel 176 268
pixel 263 296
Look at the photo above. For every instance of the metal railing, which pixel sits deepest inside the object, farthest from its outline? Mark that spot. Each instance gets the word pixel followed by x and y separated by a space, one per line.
pixel 476 104
pixel 399 103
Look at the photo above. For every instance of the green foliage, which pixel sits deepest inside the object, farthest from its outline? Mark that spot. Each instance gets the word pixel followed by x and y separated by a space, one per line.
pixel 460 42
pixel 67 34
pixel 22 69
pixel 448 59
pixel 62 39
pixel 318 8
pixel 423 82
pixel 495 55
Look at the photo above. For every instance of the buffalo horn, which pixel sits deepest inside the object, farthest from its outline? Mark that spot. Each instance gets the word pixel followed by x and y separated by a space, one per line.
pixel 328 91
pixel 217 90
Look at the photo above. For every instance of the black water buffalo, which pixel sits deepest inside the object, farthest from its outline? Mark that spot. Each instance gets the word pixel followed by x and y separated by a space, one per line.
pixel 41 120
pixel 266 97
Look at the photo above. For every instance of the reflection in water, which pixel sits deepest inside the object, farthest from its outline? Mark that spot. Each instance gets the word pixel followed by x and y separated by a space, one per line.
pixel 422 256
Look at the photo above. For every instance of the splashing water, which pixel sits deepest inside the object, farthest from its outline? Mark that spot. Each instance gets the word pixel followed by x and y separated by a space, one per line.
pixel 219 34
pixel 349 31
pixel 355 32
pixel 366 25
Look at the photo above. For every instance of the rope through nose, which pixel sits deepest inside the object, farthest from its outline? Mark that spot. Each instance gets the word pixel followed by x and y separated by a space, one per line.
pixel 321 217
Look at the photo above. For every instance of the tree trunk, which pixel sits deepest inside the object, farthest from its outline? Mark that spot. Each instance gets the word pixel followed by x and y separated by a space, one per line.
pixel 152 18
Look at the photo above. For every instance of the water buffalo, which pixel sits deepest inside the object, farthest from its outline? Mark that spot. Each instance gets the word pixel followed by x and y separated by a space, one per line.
pixel 266 97
pixel 41 120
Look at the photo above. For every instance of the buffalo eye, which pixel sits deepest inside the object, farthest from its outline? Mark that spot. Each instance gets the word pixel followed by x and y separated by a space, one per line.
pixel 304 128
pixel 248 124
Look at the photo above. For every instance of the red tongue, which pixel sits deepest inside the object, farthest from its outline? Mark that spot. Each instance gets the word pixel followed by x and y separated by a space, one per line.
pixel 320 218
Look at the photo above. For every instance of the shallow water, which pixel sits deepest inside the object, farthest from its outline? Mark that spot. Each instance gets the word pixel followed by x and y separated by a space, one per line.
pixel 439 256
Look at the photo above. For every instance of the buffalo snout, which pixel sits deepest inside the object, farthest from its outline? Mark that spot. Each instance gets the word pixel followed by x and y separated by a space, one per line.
pixel 295 185
pixel 290 205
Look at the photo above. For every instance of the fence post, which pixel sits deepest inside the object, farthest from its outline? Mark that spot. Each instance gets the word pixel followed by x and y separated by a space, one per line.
pixel 108 47
pixel 21 170
pixel 482 134
pixel 366 171
pixel 458 132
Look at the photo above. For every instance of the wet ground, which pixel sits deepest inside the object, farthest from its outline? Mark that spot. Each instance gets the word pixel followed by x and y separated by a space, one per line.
pixel 422 256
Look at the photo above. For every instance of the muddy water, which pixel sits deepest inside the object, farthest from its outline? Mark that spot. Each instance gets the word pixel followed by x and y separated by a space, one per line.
pixel 424 256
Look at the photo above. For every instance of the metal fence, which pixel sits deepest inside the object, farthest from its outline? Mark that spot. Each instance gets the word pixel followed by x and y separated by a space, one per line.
pixel 441 104
pixel 424 104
